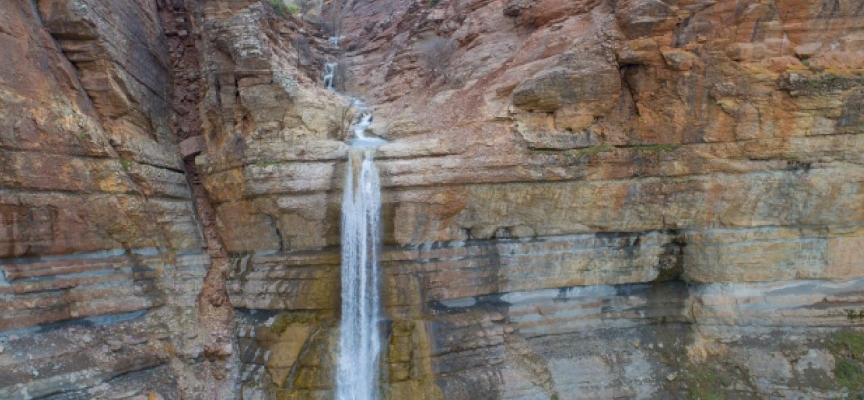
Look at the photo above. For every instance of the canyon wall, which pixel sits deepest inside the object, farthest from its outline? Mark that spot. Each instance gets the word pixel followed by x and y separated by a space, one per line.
pixel 582 199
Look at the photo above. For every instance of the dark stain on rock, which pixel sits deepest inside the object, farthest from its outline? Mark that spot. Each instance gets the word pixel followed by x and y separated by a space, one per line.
pixel 671 261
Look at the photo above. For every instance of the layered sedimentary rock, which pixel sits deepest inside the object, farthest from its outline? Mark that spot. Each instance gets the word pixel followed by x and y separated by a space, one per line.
pixel 102 251
pixel 582 199
pixel 92 196
pixel 702 149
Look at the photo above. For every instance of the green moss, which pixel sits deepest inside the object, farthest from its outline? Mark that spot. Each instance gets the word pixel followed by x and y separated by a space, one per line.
pixel 655 147
pixel 847 346
pixel 711 396
pixel 822 81
pixel 850 374
pixel 263 164
pixel 847 342
pixel 703 382
pixel 545 151
pixel 585 151
pixel 125 164
pixel 283 321
pixel 600 148
pixel 84 135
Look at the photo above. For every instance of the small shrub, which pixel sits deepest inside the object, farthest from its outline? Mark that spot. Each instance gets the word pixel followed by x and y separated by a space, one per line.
pixel 436 53
pixel 280 7
pixel 343 117
pixel 304 49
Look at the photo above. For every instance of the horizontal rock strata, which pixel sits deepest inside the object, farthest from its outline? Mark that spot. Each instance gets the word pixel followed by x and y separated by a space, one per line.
pixel 581 199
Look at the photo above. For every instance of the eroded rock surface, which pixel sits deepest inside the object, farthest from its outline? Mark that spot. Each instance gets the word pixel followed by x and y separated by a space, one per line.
pixel 582 199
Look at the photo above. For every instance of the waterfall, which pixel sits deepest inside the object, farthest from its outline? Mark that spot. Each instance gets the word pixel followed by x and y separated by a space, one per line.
pixel 359 337
pixel 329 72
pixel 363 123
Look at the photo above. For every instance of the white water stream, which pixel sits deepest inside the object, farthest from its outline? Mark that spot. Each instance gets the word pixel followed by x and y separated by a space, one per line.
pixel 357 370
pixel 329 73
pixel 359 338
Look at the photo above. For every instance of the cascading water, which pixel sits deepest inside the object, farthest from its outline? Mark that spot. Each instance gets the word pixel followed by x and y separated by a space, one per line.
pixel 359 336
pixel 362 125
pixel 359 340
pixel 329 73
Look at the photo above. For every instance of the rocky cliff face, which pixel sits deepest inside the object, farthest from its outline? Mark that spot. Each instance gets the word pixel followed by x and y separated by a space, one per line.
pixel 582 199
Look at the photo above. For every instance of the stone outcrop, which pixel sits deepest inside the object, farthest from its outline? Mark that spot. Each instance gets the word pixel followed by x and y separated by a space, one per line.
pixel 582 199
pixel 92 199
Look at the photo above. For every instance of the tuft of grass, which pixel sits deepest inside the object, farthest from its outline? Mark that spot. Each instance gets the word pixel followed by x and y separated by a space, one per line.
pixel 126 164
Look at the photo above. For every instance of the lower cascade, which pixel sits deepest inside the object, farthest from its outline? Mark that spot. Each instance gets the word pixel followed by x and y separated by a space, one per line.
pixel 359 340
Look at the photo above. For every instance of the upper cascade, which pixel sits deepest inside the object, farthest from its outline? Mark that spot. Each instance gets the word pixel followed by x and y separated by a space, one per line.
pixel 362 124
pixel 329 73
